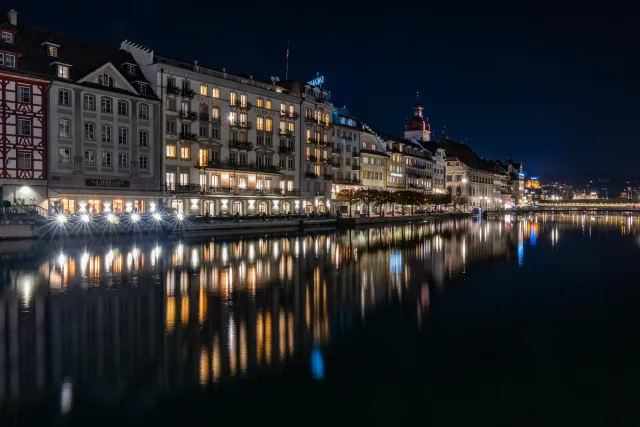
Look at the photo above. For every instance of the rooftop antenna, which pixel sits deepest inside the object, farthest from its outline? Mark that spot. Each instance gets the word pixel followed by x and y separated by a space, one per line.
pixel 286 72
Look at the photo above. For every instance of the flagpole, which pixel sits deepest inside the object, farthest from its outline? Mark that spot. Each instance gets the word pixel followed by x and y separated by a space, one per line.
pixel 286 73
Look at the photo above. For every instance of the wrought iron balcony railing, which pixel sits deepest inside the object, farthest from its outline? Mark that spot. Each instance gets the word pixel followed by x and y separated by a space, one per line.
pixel 293 115
pixel 204 117
pixel 241 125
pixel 187 115
pixel 285 132
pixel 241 167
pixel 188 92
pixel 312 175
pixel 241 105
pixel 312 158
pixel 355 167
pixel 285 149
pixel 188 136
pixel 173 90
pixel 242 145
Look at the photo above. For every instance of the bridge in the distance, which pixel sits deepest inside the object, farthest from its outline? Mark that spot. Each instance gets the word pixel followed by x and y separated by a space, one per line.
pixel 575 206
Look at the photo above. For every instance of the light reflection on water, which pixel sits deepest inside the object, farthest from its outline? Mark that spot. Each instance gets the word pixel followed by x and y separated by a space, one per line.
pixel 200 313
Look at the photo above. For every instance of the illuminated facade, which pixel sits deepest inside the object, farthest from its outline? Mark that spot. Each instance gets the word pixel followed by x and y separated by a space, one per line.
pixel 230 144
pixel 23 135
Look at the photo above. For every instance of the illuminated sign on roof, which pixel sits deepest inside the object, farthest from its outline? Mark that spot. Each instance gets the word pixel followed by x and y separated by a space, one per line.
pixel 318 81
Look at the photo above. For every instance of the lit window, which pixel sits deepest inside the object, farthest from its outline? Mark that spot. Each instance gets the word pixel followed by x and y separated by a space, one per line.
pixel 244 100
pixel 7 37
pixel 292 127
pixel 24 94
pixel 269 104
pixel 215 113
pixel 268 125
pixel 233 97
pixel 63 71
pixel 260 123
pixel 52 51
pixel 171 151
pixel 185 153
pixel 260 103
pixel 204 90
pixel 215 92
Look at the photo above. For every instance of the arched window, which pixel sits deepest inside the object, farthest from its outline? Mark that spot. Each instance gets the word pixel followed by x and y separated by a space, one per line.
pixel 105 80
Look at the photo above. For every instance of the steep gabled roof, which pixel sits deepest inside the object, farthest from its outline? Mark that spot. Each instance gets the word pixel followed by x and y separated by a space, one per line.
pixel 466 155
pixel 83 57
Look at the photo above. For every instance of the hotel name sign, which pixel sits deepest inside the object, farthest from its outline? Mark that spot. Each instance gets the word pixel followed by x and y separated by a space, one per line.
pixel 106 183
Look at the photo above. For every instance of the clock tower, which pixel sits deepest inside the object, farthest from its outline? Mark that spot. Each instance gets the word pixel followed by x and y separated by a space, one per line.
pixel 417 127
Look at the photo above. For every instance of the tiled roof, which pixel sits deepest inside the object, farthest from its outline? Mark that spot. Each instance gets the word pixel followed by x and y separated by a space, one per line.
pixel 373 152
pixel 466 155
pixel 83 57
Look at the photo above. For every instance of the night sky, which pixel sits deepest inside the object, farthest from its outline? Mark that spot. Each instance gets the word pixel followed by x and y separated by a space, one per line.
pixel 553 83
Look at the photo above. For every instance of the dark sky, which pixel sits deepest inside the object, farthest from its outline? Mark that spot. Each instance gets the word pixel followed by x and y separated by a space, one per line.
pixel 553 83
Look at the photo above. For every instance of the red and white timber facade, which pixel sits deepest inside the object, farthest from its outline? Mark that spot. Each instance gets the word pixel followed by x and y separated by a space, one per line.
pixel 23 176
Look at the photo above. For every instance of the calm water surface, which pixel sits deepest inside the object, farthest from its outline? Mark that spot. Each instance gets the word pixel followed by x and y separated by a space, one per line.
pixel 531 322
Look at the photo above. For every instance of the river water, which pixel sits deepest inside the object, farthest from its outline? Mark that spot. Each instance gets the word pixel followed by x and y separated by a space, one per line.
pixel 461 322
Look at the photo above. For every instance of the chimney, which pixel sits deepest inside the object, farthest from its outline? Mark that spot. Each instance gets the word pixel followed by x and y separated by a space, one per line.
pixel 13 17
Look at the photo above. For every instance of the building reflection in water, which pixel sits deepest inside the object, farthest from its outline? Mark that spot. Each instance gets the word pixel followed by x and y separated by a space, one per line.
pixel 172 315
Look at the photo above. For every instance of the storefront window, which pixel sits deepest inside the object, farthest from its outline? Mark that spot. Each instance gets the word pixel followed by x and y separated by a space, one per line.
pixel 321 207
pixel 236 208
pixel 94 206
pixel 68 206
pixel 118 206
pixel 138 206
pixel 286 207
pixel 308 208
pixel 262 207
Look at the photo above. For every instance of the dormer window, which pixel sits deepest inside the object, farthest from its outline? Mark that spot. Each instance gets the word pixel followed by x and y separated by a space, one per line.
pixel 105 80
pixel 131 69
pixel 7 37
pixel 63 71
pixel 142 88
pixel 52 51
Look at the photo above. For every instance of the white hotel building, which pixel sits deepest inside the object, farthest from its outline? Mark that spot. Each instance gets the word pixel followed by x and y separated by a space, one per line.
pixel 233 144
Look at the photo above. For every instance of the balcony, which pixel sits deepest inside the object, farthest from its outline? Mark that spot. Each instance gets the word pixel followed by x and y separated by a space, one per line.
pixel 187 115
pixel 312 175
pixel 286 133
pixel 241 125
pixel 285 149
pixel 309 119
pixel 240 145
pixel 239 104
pixel 293 115
pixel 312 158
pixel 183 188
pixel 187 92
pixel 204 117
pixel 215 119
pixel 242 167
pixel 355 154
pixel 328 176
pixel 355 167
pixel 188 136
pixel 173 90
pixel 336 150
pixel 347 181
pixel 336 165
